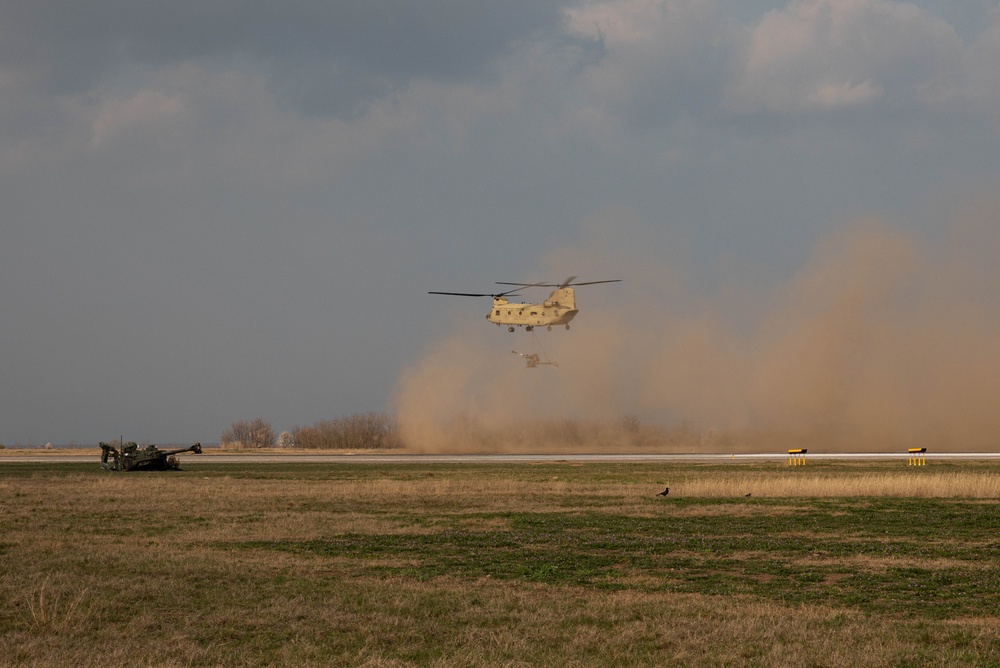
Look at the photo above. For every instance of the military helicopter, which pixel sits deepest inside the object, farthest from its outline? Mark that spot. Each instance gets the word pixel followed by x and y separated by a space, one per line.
pixel 558 309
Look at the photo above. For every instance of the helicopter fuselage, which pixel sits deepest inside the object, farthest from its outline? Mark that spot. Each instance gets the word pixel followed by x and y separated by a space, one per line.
pixel 558 309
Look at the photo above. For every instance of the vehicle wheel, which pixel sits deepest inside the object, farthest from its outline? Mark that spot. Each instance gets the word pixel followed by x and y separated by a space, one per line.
pixel 567 326
pixel 549 328
pixel 510 329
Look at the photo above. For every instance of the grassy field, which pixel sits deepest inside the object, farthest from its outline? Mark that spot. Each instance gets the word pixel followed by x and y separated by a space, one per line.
pixel 555 564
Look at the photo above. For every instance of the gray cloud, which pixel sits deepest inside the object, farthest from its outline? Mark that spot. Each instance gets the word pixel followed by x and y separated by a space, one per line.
pixel 325 57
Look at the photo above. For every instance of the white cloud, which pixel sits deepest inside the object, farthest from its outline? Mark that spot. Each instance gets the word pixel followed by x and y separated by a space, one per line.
pixel 146 107
pixel 975 88
pixel 826 55
pixel 625 22
pixel 188 123
pixel 832 96
pixel 663 61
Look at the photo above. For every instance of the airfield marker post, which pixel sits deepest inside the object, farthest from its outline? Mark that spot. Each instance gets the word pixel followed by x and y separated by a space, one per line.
pixel 916 457
pixel 797 457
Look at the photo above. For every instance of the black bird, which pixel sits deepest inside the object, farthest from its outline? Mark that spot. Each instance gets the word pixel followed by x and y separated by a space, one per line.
pixel 664 492
pixel 748 495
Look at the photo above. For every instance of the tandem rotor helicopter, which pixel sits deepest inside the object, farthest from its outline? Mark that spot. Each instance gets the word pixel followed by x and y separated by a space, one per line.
pixel 558 309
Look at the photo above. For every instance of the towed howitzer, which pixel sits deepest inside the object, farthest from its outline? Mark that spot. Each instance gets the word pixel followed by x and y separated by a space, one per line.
pixel 131 458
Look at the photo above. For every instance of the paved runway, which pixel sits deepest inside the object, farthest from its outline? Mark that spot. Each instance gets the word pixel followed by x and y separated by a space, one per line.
pixel 328 458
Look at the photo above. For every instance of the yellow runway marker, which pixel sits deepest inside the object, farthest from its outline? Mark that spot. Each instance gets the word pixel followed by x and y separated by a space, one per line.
pixel 797 457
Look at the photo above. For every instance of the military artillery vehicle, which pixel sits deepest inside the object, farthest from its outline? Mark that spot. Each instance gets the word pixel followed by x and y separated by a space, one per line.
pixel 533 359
pixel 150 458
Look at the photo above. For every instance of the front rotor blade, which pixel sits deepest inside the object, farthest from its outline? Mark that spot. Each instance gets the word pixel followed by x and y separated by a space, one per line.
pixel 477 294
pixel 462 294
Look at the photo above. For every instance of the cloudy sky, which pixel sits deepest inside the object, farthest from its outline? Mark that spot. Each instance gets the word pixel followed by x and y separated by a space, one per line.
pixel 222 210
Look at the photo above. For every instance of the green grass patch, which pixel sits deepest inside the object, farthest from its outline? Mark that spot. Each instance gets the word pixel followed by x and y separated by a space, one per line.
pixel 872 556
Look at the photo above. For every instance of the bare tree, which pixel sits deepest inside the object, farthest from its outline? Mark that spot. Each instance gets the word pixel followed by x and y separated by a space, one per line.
pixel 248 434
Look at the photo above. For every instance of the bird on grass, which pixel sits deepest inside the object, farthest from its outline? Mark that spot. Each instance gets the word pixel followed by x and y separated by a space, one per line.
pixel 748 495
pixel 664 492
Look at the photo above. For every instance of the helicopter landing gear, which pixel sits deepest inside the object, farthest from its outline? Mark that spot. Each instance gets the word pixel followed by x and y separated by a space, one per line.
pixel 528 328
pixel 549 328
pixel 567 326
pixel 510 329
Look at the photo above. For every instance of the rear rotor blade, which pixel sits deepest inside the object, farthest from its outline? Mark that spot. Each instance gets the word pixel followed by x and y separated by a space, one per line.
pixel 523 285
pixel 568 282
pixel 613 280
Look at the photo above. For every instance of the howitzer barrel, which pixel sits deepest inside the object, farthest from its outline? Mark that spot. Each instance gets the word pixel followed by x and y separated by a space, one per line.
pixel 196 449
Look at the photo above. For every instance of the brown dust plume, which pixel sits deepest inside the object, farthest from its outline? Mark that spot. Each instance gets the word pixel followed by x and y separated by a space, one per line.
pixel 881 341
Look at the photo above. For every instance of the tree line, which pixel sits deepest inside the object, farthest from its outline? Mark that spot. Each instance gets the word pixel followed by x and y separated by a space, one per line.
pixel 360 431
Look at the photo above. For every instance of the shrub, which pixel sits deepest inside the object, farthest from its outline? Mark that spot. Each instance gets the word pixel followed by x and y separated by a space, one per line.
pixel 248 434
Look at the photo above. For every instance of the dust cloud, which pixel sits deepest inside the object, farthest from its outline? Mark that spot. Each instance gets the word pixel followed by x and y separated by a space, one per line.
pixel 882 341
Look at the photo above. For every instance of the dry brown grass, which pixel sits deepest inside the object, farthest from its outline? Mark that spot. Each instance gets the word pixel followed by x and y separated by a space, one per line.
pixel 922 483
pixel 493 623
pixel 58 610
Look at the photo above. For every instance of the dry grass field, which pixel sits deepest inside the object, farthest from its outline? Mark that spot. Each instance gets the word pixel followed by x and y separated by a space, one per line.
pixel 554 564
